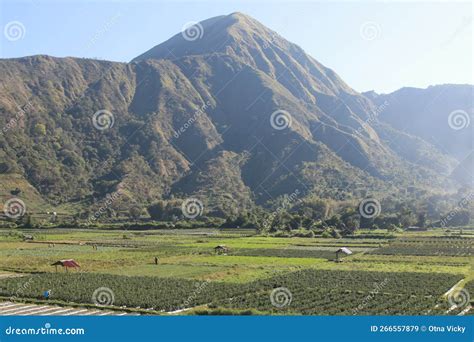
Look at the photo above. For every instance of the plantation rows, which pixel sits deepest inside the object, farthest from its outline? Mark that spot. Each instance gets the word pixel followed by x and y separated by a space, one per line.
pixel 313 291
pixel 429 247
pixel 314 301
pixel 470 288
pixel 165 294
pixel 349 293
pixel 399 282
pixel 285 253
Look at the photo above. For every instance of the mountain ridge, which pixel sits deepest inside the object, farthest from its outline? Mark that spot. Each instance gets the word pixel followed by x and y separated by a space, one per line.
pixel 222 104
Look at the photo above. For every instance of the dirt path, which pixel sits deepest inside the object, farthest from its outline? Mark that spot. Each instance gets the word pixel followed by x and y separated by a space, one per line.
pixel 22 309
pixel 4 275
pixel 459 285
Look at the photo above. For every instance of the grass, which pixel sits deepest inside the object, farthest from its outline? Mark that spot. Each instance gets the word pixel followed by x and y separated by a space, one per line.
pixel 190 256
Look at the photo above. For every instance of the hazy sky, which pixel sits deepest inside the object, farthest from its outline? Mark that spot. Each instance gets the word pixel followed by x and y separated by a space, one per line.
pixel 371 45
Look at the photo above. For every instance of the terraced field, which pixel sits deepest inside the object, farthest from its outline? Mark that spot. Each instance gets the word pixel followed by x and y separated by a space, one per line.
pixel 313 292
pixel 429 246
pixel 408 275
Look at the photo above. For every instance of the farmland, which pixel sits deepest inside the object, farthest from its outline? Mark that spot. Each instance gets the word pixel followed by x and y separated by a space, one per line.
pixel 407 274
pixel 430 246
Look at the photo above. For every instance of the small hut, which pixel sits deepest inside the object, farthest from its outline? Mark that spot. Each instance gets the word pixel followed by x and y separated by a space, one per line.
pixel 221 249
pixel 343 250
pixel 28 237
pixel 69 263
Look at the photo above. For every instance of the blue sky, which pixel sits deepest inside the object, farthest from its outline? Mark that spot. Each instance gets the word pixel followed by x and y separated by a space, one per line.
pixel 371 45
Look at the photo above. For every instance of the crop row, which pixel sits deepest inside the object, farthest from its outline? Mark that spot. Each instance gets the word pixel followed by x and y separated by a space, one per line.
pixel 428 247
pixel 312 301
pixel 285 253
pixel 313 291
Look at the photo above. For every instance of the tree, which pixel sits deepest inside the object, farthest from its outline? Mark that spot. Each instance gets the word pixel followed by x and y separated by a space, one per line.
pixel 157 210
pixel 351 225
pixel 460 218
pixel 335 221
pixel 135 213
pixel 315 208
pixel 39 129
pixel 351 220
pixel 406 217
pixel 421 220
pixel 392 228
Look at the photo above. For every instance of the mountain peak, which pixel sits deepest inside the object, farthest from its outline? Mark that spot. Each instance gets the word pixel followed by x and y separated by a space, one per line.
pixel 250 44
pixel 208 36
pixel 239 15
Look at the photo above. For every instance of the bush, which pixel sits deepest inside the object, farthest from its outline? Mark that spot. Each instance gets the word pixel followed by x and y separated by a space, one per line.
pixel 39 129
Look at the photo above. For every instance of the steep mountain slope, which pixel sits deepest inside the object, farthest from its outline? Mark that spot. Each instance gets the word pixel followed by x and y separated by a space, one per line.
pixel 235 117
pixel 440 115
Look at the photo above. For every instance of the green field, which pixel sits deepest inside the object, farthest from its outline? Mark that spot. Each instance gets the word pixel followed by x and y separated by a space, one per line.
pixel 406 275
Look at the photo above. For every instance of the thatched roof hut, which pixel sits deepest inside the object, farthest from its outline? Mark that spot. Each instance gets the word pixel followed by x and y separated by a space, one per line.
pixel 67 263
pixel 220 249
pixel 343 250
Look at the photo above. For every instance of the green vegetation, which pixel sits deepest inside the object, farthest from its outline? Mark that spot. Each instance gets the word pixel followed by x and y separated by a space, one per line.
pixel 190 276
pixel 312 292
pixel 429 246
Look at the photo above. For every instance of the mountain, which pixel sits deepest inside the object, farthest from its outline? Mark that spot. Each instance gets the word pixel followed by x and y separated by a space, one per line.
pixel 440 115
pixel 227 111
